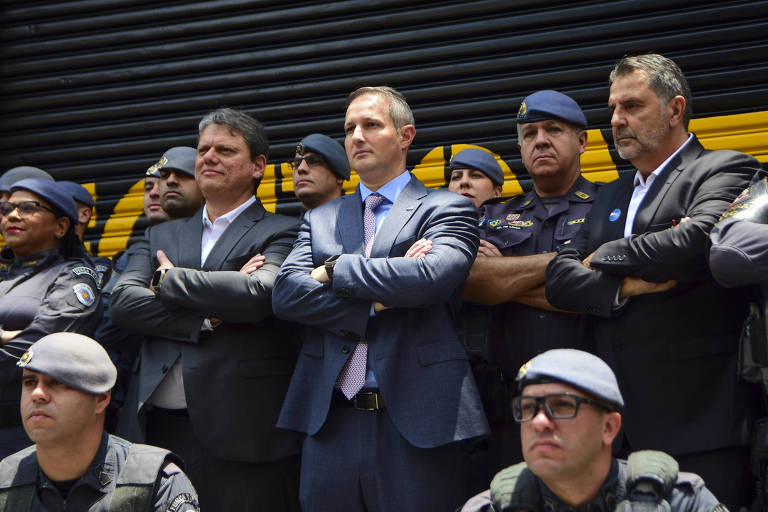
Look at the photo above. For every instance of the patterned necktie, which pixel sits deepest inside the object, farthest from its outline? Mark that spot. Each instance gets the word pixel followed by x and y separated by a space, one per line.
pixel 352 376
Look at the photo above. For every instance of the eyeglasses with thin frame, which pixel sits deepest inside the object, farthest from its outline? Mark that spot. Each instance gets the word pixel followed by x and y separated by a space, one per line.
pixel 312 161
pixel 26 208
pixel 557 406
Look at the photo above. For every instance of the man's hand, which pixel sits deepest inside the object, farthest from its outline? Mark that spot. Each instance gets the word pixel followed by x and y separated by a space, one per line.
pixel 8 336
pixel 253 264
pixel 632 286
pixel 487 250
pixel 587 260
pixel 419 249
pixel 164 261
pixel 320 275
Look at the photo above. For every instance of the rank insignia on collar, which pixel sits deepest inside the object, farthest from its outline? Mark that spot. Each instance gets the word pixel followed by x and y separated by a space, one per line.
pixel 581 194
pixel 25 359
pixel 523 370
pixel 575 221
pixel 527 202
pixel 300 149
pixel 30 263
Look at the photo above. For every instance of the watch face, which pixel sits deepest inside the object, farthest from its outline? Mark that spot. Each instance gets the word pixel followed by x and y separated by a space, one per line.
pixel 157 277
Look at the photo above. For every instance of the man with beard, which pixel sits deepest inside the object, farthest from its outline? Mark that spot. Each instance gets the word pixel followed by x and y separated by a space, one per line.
pixel 639 268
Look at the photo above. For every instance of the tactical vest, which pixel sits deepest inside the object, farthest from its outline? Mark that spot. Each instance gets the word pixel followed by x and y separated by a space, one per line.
pixel 133 491
pixel 650 477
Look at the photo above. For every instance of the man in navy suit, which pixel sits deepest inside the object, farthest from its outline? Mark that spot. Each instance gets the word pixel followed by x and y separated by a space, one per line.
pixel 382 387
pixel 639 268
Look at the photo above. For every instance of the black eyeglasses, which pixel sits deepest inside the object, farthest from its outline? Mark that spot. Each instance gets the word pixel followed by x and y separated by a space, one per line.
pixel 312 161
pixel 558 406
pixel 26 208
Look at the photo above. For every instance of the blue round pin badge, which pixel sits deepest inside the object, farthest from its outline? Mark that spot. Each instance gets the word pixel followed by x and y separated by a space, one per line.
pixel 614 216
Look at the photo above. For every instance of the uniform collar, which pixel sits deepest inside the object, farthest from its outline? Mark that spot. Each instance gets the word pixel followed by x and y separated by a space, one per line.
pixel 99 474
pixel 32 260
pixel 610 493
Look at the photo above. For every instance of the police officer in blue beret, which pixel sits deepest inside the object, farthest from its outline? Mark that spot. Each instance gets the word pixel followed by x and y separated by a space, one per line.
pixel 74 465
pixel 476 174
pixel 568 409
pixel 518 239
pixel 47 284
pixel 320 168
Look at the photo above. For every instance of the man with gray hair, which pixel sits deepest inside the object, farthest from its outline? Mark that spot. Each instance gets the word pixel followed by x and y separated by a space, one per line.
pixel 639 268
pixel 215 364
pixel 74 465
pixel 382 389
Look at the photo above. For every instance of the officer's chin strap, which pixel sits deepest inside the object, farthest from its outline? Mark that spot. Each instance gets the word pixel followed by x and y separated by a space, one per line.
pixel 650 477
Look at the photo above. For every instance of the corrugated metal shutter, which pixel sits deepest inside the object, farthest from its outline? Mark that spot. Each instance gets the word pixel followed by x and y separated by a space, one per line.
pixel 96 90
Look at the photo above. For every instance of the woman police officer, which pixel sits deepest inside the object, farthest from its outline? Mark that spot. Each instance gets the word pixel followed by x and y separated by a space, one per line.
pixel 46 285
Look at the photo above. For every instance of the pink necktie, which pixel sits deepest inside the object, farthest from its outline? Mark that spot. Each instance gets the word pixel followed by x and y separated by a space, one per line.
pixel 352 376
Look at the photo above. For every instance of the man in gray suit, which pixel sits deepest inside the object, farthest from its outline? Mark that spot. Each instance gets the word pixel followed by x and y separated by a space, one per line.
pixel 382 387
pixel 216 364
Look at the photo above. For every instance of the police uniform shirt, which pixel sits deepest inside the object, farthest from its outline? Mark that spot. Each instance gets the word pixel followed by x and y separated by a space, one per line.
pixel 93 491
pixel 41 294
pixel 524 226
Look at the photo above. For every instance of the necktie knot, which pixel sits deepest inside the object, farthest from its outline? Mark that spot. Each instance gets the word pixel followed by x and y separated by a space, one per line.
pixel 373 201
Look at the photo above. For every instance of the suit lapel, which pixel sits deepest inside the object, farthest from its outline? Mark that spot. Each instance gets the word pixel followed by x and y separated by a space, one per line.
pixel 617 206
pixel 405 206
pixel 232 235
pixel 655 196
pixel 350 223
pixel 190 237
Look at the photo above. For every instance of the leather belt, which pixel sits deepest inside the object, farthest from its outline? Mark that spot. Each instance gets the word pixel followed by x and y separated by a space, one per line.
pixel 362 401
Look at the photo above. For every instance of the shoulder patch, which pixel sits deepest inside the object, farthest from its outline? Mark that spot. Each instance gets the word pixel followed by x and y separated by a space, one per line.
pixel 183 502
pixel 79 271
pixel 84 294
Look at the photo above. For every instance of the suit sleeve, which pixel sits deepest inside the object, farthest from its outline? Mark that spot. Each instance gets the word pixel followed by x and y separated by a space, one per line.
pixel 136 308
pixel 232 296
pixel 680 252
pixel 417 282
pixel 299 298
pixel 572 286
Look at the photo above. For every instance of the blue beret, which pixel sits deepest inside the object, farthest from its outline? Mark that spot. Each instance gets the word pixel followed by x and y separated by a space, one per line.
pixel 481 160
pixel 577 368
pixel 331 150
pixel 56 196
pixel 78 192
pixel 179 158
pixel 11 176
pixel 543 105
pixel 73 359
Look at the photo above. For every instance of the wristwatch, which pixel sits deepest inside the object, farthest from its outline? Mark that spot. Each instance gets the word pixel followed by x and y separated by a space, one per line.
pixel 329 264
pixel 157 278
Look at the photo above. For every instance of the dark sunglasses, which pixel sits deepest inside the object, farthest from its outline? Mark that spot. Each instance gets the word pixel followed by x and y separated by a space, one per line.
pixel 312 161
pixel 558 406
pixel 26 208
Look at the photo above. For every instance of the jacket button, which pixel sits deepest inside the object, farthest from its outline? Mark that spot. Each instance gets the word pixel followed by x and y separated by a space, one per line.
pixel 345 349
pixel 164 369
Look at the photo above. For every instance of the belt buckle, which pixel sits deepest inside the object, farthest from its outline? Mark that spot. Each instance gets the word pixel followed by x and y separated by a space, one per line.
pixel 369 397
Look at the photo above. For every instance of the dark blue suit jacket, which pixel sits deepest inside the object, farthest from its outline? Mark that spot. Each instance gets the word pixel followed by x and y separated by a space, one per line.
pixel 674 353
pixel 420 365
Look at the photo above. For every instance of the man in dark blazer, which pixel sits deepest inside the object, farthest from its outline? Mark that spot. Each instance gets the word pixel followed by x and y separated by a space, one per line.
pixel 396 439
pixel 216 363
pixel 639 267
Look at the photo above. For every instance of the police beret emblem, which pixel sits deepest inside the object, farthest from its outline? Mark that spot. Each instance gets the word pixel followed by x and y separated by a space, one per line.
pixel 159 165
pixel 300 149
pixel 25 359
pixel 523 370
pixel 523 110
